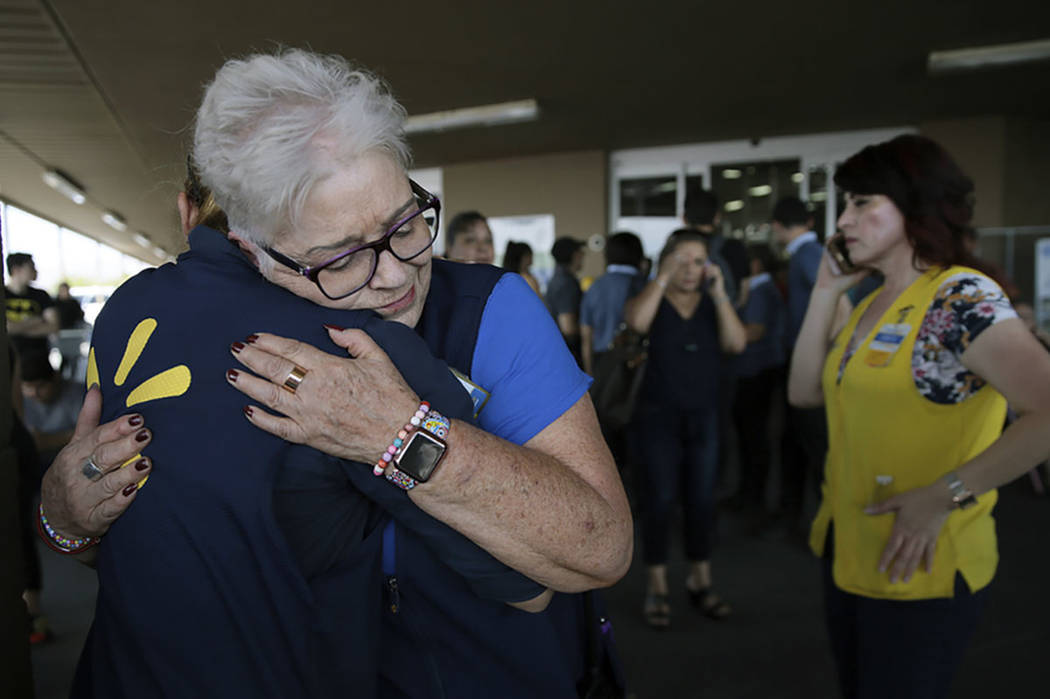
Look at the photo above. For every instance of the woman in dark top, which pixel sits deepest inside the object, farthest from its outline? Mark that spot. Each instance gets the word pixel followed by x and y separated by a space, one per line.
pixel 691 323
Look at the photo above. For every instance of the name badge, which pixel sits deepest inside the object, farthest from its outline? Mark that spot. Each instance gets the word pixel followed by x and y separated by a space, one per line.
pixel 478 395
pixel 885 344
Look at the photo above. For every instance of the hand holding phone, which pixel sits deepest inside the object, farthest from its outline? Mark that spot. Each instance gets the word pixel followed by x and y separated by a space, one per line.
pixel 840 254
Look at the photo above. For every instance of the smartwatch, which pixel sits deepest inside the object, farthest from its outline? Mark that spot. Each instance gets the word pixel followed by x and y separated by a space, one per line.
pixel 420 455
pixel 962 497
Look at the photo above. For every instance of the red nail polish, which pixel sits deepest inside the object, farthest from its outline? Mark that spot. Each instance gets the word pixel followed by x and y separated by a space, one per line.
pixel 141 465
pixel 135 420
pixel 237 346
pixel 130 489
pixel 334 327
pixel 248 410
pixel 251 338
pixel 232 374
pixel 142 435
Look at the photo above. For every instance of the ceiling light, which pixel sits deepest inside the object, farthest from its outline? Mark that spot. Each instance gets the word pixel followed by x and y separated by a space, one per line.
pixel 818 196
pixel 159 252
pixel 735 205
pixel 986 56
pixel 798 178
pixel 731 174
pixel 64 184
pixel 142 240
pixel 115 220
pixel 488 115
pixel 762 190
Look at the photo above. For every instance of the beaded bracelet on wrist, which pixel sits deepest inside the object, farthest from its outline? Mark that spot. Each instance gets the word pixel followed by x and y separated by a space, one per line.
pixel 59 543
pixel 415 421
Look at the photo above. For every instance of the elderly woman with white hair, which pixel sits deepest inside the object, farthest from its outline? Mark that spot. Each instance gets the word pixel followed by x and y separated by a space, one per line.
pixel 306 157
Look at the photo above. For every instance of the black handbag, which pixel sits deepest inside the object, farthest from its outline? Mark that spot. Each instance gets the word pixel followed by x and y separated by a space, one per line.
pixel 618 374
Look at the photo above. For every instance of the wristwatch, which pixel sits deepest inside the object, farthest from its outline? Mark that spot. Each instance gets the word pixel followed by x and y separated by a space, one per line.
pixel 962 497
pixel 420 455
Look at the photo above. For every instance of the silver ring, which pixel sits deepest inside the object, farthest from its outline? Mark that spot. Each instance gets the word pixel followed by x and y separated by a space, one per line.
pixel 91 470
pixel 295 377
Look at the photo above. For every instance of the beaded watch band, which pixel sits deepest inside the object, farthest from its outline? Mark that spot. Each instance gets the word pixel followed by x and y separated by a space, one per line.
pixel 424 419
pixel 59 543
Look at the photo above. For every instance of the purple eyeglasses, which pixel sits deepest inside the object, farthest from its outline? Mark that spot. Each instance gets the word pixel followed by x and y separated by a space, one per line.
pixel 352 270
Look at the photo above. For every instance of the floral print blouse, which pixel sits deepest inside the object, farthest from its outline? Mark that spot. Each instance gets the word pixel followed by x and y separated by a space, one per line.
pixel 966 305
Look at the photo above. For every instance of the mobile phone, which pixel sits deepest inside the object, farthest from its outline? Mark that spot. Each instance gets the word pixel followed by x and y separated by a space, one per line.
pixel 840 253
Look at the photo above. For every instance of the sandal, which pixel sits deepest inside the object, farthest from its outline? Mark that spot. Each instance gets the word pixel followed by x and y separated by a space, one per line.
pixel 657 611
pixel 709 603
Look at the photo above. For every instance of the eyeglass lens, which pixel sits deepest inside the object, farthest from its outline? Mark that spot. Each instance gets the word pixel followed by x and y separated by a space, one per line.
pixel 349 274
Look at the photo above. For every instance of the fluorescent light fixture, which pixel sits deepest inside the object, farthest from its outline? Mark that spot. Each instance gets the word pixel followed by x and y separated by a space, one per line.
pixel 142 240
pixel 762 190
pixel 798 178
pixel 735 205
pixel 818 196
pixel 988 56
pixel 488 115
pixel 64 184
pixel 731 174
pixel 115 221
pixel 159 252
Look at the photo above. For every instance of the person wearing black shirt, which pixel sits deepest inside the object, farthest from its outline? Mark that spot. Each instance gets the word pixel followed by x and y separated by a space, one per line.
pixel 31 315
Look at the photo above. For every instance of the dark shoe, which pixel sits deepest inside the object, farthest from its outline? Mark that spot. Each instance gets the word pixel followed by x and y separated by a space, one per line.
pixel 709 603
pixel 657 611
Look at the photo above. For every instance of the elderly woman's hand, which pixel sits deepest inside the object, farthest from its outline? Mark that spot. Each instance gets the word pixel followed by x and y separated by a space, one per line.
pixel 920 515
pixel 77 506
pixel 347 407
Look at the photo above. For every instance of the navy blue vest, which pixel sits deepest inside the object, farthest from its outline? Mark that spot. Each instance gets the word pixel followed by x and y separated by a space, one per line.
pixel 449 642
pixel 200 592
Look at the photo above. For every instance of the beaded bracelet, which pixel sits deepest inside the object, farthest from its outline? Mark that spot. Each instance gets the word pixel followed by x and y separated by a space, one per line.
pixel 415 421
pixel 59 543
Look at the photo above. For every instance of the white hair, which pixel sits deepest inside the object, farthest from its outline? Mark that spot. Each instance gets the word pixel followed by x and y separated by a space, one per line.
pixel 272 126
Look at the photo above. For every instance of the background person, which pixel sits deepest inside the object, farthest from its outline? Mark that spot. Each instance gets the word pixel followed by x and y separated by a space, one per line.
pixel 691 323
pixel 564 293
pixel 469 238
pixel 31 315
pixel 915 387
pixel 518 259
pixel 759 370
pixel 805 439
pixel 51 404
pixel 601 309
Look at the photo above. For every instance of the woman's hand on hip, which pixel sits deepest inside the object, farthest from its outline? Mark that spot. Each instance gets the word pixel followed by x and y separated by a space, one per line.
pixel 350 407
pixel 920 515
pixel 77 506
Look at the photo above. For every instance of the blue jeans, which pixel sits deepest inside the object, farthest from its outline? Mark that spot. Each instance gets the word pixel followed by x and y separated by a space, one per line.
pixel 677 455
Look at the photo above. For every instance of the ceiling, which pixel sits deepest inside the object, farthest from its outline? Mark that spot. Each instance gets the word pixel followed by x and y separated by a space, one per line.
pixel 105 91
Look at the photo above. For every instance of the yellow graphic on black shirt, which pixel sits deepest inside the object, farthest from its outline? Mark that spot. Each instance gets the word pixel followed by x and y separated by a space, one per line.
pixel 167 384
pixel 21 309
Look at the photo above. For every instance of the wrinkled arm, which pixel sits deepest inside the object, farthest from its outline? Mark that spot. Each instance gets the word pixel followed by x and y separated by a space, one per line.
pixel 553 508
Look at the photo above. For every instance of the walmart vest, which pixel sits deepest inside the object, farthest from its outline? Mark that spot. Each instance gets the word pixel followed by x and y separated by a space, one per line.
pixel 881 427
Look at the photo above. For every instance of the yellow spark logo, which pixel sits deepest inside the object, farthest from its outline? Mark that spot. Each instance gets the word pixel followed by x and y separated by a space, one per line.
pixel 167 384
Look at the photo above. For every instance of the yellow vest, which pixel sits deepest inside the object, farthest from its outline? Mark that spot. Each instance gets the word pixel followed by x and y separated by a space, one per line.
pixel 879 425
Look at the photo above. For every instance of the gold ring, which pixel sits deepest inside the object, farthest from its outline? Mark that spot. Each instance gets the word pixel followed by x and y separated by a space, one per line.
pixel 295 377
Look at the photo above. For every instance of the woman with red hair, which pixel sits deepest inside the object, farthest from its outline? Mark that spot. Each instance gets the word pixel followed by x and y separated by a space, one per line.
pixel 915 387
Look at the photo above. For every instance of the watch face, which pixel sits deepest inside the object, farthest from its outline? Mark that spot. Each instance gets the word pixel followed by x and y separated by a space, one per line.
pixel 421 456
